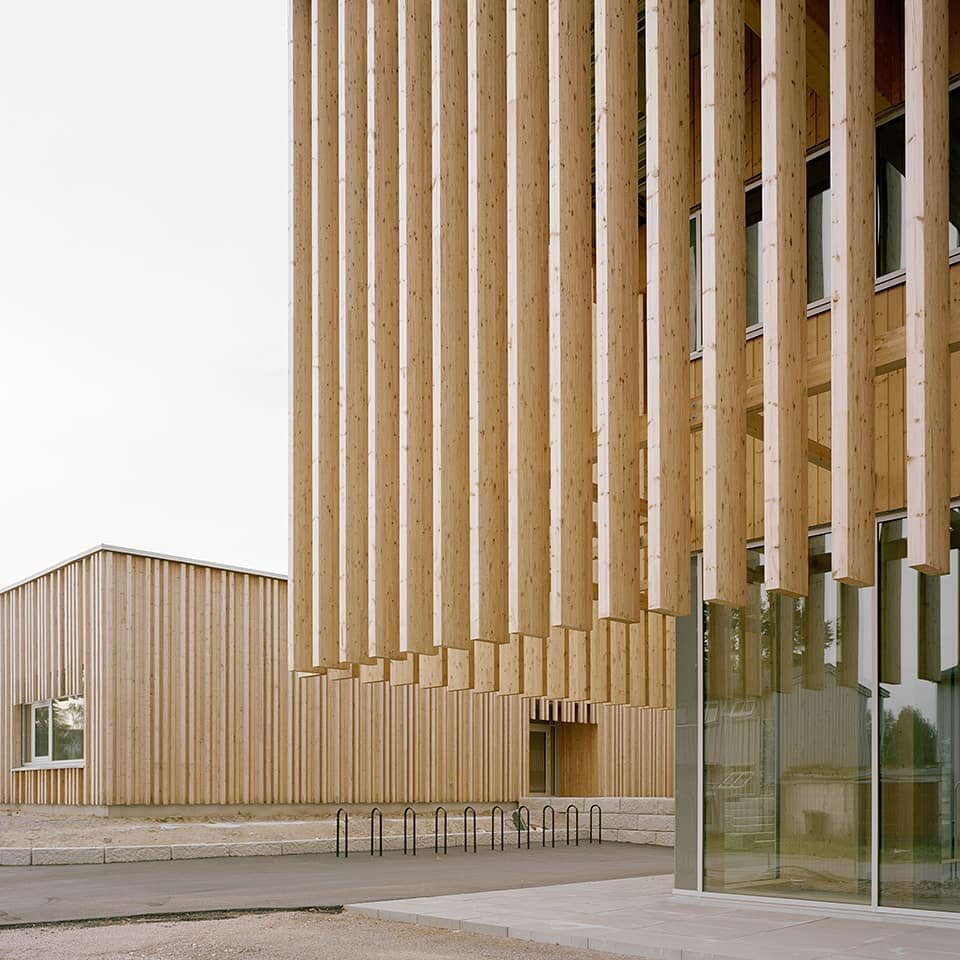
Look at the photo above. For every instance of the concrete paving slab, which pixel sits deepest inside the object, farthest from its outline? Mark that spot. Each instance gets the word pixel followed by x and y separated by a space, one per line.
pixel 642 917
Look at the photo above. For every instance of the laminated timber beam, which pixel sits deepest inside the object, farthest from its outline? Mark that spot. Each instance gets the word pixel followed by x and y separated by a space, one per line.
pixel 852 139
pixel 783 105
pixel 723 266
pixel 571 315
pixel 528 356
pixel 487 57
pixel 353 536
pixel 325 343
pixel 618 338
pixel 451 468
pixel 668 298
pixel 416 331
pixel 383 349
pixel 926 29
pixel 817 42
pixel 300 594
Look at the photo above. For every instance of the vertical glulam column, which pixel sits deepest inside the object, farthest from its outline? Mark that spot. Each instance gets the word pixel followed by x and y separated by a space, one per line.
pixel 723 266
pixel 528 348
pixel 571 312
pixel 668 306
pixel 325 345
pixel 416 331
pixel 383 348
pixel 783 109
pixel 618 287
pixel 451 449
pixel 300 593
pixel 928 286
pixel 487 97
pixel 353 330
pixel 852 149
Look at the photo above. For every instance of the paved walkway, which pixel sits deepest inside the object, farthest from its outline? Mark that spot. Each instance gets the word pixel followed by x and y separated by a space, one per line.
pixel 639 917
pixel 46 894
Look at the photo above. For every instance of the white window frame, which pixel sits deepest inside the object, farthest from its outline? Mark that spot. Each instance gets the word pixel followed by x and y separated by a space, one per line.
pixel 30 760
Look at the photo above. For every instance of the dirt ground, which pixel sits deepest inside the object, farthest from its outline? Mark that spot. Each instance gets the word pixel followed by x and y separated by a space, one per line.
pixel 273 936
pixel 59 829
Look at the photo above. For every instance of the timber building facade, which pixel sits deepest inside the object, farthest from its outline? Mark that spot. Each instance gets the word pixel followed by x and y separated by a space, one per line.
pixel 137 680
pixel 624 370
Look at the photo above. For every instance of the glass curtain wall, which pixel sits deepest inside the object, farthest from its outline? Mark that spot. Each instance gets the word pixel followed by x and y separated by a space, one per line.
pixel 919 727
pixel 786 739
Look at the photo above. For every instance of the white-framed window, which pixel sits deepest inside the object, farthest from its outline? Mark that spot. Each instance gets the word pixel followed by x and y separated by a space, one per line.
pixel 53 732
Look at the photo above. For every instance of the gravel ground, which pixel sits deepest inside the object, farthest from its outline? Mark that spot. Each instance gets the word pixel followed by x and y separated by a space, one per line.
pixel 60 829
pixel 63 828
pixel 272 936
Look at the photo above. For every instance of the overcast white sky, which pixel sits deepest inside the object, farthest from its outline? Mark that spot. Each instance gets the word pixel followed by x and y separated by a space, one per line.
pixel 143 279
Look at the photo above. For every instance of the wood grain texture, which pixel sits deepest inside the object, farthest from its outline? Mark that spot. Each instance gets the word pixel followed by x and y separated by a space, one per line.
pixel 852 265
pixel 416 331
pixel 354 526
pixel 451 454
pixel 668 298
pixel 487 258
pixel 783 103
pixel 926 25
pixel 325 339
pixel 301 653
pixel 198 654
pixel 528 306
pixel 618 341
pixel 383 346
pixel 571 436
pixel 724 303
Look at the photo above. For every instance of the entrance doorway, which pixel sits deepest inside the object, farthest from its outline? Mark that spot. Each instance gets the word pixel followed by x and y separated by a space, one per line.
pixel 542 766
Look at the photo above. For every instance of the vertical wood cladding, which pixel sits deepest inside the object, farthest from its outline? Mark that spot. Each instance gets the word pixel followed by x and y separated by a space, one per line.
pixel 558 455
pixel 189 699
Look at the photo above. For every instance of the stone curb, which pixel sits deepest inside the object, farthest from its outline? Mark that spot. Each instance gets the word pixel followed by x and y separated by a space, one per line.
pixel 111 853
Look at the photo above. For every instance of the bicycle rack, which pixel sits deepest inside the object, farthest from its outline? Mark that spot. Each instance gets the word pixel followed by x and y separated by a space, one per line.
pixel 553 825
pixel 493 831
pixel 576 837
pixel 436 835
pixel 346 833
pixel 405 812
pixel 520 821
pixel 376 812
pixel 596 807
pixel 474 812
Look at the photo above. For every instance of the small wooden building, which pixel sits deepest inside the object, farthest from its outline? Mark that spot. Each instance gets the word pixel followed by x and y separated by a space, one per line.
pixel 134 679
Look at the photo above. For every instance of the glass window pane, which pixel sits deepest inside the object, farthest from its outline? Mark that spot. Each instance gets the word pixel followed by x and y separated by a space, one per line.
pixel 68 729
pixel 818 228
pixel 891 168
pixel 786 739
pixel 754 200
pixel 919 728
pixel 696 329
pixel 687 750
pixel 41 732
pixel 954 227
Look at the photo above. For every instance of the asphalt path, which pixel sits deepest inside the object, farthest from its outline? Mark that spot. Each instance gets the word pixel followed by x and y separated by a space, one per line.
pixel 53 894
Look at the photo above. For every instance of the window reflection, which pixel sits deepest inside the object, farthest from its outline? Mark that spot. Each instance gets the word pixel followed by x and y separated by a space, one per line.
pixel 818 228
pixel 787 707
pixel 919 728
pixel 754 201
